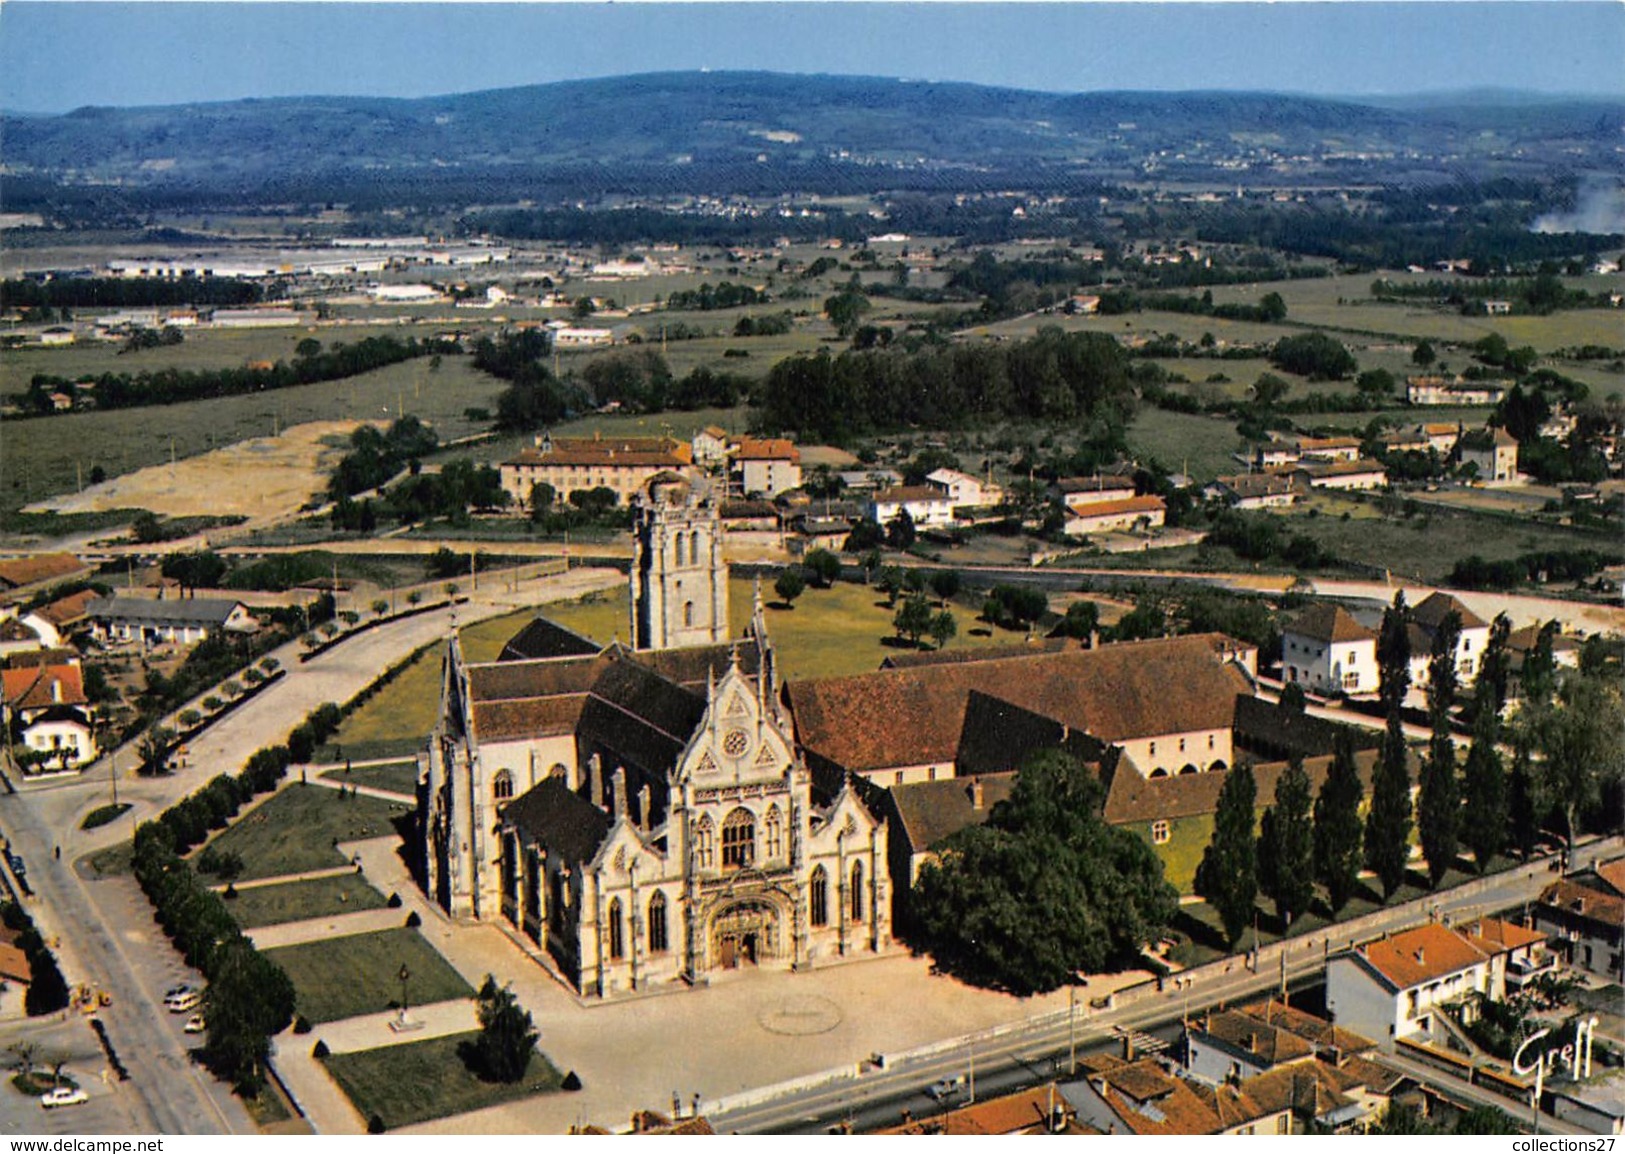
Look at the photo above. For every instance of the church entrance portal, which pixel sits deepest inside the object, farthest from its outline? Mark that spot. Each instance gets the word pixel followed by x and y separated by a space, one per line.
pixel 744 934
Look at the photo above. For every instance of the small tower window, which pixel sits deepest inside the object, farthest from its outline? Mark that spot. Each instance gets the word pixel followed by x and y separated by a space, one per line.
pixel 739 840
pixel 502 786
pixel 857 891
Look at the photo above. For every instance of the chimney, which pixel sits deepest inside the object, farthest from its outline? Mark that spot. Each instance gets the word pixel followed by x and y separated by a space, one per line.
pixel 644 821
pixel 595 780
pixel 619 788
pixel 1419 958
pixel 1094 639
pixel 976 796
pixel 56 690
pixel 1128 1047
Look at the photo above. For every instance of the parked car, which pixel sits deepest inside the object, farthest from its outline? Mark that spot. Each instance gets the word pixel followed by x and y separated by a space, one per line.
pixel 183 1003
pixel 195 1024
pixel 177 991
pixel 946 1089
pixel 63 1096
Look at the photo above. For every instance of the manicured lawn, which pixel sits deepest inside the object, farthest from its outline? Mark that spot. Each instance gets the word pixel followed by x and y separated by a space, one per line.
pixel 829 633
pixel 358 974
pixel 298 829
pixel 421 1080
pixel 114 861
pixel 295 901
pixel 404 710
pixel 401 778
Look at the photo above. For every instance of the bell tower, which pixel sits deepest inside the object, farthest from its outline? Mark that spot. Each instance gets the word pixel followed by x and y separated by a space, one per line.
pixel 679 593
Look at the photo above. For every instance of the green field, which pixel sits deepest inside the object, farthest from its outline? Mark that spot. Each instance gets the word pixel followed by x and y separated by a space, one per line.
pixel 346 977
pixel 1186 441
pixel 428 1079
pixel 405 708
pixel 300 827
pixel 400 778
pixel 42 454
pixel 295 901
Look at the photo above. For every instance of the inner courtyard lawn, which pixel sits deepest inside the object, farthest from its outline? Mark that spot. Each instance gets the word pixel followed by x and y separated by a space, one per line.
pixel 300 827
pixel 401 777
pixel 360 974
pixel 295 901
pixel 428 1079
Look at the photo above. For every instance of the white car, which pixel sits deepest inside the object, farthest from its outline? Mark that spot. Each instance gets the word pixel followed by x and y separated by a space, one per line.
pixel 195 1024
pixel 945 1090
pixel 183 1003
pixel 63 1096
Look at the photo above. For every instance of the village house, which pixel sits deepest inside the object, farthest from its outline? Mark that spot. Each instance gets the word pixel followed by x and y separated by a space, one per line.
pixel 1359 474
pixel 622 464
pixel 1139 1096
pixel 25 633
pixel 1078 494
pixel 710 446
pixel 1585 918
pixel 48 713
pixel 1492 452
pixel 1253 491
pixel 965 491
pixel 1039 1110
pixel 766 467
pixel 1326 450
pixel 167 620
pixel 1394 987
pixel 1454 392
pixel 925 505
pixel 21 577
pixel 1326 650
pixel 1427 618
pixel 1135 513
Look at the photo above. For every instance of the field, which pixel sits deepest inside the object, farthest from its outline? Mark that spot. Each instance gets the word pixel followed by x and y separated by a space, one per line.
pixel 260 478
pixel 400 778
pixel 1186 441
pixel 295 901
pixel 429 1079
pixel 405 708
pixel 357 974
pixel 298 829
pixel 47 456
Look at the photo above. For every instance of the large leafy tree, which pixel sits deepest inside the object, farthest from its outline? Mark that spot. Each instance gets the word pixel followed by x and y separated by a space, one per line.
pixel 1581 738
pixel 1287 843
pixel 1523 798
pixel 1045 889
pixel 1484 785
pixel 507 1038
pixel 249 999
pixel 1438 801
pixel 1228 873
pixel 1337 825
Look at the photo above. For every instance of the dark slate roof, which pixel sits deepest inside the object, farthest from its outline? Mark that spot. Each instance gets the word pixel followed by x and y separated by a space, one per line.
pixel 545 639
pixel 198 610
pixel 930 811
pixel 692 666
pixel 515 680
pixel 1132 798
pixel 1326 623
pixel 1266 728
pixel 563 822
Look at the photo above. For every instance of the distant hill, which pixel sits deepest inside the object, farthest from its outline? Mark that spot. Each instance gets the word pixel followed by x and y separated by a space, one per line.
pixel 747 117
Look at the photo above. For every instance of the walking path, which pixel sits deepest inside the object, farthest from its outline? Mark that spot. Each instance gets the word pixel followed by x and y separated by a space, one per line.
pixel 325 928
pixel 373 1031
pixel 284 879
pixel 364 790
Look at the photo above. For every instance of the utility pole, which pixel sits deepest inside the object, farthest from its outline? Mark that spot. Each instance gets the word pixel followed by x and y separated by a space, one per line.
pixel 1072 1030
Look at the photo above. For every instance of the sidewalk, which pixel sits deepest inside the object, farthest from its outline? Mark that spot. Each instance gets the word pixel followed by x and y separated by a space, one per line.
pixel 333 926
pixel 364 790
pixel 372 1031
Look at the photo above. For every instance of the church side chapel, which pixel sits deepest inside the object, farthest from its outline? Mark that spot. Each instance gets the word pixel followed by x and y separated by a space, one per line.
pixel 639 812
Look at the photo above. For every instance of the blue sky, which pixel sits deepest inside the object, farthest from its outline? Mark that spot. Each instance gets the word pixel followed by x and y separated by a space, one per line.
pixel 56 55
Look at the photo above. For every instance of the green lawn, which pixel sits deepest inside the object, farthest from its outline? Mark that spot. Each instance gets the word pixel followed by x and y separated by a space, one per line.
pixel 295 901
pixel 404 710
pixel 428 1079
pixel 399 778
pixel 358 974
pixel 299 828
pixel 1186 442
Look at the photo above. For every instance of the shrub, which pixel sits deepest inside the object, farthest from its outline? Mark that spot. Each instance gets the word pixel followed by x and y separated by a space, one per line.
pixel 394 902
pixel 319 1050
pixel 375 1125
pixel 301 1024
pixel 413 921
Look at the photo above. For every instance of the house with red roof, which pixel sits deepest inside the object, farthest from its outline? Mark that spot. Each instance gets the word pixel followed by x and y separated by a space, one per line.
pixel 48 715
pixel 1395 987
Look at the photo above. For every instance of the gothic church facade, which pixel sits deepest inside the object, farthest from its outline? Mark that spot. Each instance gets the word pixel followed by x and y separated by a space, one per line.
pixel 640 815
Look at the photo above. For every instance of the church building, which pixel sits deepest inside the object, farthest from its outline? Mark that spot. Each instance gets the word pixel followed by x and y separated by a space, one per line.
pixel 640 814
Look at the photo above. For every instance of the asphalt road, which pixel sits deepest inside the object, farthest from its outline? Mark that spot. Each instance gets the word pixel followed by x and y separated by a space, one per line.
pixel 1024 1056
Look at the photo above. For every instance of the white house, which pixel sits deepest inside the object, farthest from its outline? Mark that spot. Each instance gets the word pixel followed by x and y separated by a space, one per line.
pixel 26 633
pixel 1253 490
pixel 964 490
pixel 1439 391
pixel 182 622
pixel 768 467
pixel 572 337
pixel 1326 449
pixel 1358 474
pixel 1325 649
pixel 48 713
pixel 1130 513
pixel 1428 616
pixel 710 445
pixel 1494 452
pixel 925 505
pixel 1078 493
pixel 1393 987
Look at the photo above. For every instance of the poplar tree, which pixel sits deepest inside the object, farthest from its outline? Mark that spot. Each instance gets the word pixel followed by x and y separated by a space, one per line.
pixel 1337 825
pixel 1438 801
pixel 1484 785
pixel 1388 823
pixel 1228 874
pixel 1288 843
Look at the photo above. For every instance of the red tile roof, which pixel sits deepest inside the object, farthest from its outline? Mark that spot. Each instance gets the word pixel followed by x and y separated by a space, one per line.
pixel 1329 623
pixel 1613 873
pixel 768 450
pixel 43 686
pixel 1126 505
pixel 39 567
pixel 622 452
pixel 1574 898
pixel 910 493
pixel 1494 936
pixel 1117 692
pixel 1421 955
pixel 67 610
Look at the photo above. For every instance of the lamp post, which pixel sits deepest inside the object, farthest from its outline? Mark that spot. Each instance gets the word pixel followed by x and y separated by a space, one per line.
pixel 1072 1029
pixel 405 976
